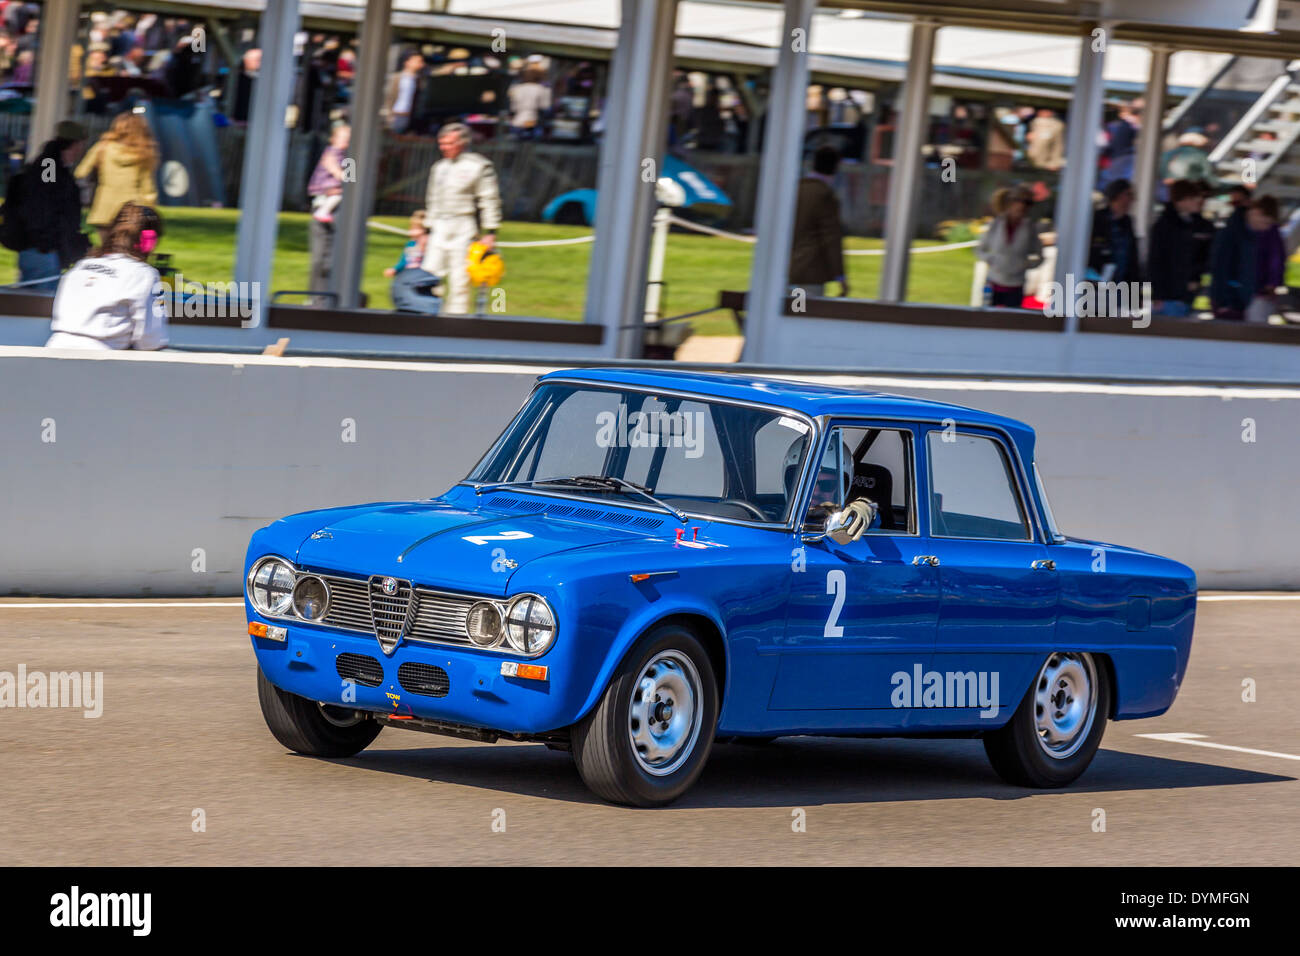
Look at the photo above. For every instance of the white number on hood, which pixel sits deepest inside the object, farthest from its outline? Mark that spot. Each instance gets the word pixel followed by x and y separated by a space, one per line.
pixel 503 536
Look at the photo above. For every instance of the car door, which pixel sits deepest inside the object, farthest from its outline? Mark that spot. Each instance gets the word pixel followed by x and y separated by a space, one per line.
pixel 859 613
pixel 999 589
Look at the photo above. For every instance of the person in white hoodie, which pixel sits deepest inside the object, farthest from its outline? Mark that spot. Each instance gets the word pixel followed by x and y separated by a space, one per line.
pixel 112 299
pixel 1010 246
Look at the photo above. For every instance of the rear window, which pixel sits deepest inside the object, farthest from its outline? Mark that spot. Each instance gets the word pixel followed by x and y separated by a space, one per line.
pixel 973 491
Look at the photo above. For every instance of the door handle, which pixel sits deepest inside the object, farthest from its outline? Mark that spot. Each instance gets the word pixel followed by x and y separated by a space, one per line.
pixel 1044 564
pixel 931 559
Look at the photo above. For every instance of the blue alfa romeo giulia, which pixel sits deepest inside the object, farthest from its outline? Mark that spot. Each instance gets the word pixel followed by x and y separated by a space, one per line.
pixel 647 561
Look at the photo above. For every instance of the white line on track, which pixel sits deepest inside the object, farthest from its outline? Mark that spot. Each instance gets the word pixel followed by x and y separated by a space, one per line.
pixel 1194 740
pixel 124 604
pixel 1248 597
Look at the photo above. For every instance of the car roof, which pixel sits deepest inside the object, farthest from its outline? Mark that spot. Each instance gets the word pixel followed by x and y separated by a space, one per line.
pixel 811 398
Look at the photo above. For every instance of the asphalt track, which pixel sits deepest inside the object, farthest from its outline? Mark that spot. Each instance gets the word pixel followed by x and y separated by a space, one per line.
pixel 181 731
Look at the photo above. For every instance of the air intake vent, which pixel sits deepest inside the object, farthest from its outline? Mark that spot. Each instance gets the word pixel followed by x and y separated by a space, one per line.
pixel 359 669
pixel 424 679
pixel 505 502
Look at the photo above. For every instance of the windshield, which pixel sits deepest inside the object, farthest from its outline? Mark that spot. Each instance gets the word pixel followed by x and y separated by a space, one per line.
pixel 700 456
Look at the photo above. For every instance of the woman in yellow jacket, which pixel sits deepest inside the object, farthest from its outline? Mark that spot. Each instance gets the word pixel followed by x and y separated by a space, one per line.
pixel 124 161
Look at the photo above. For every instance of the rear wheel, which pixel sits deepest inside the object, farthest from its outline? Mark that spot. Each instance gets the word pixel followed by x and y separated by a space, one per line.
pixel 647 739
pixel 1055 732
pixel 308 727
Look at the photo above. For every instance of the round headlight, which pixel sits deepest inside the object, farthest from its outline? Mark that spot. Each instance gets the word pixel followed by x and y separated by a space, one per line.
pixel 483 624
pixel 270 586
pixel 311 598
pixel 530 624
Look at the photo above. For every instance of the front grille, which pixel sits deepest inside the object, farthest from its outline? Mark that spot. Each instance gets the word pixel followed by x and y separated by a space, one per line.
pixel 424 679
pixel 440 617
pixel 434 616
pixel 360 669
pixel 391 612
pixel 349 605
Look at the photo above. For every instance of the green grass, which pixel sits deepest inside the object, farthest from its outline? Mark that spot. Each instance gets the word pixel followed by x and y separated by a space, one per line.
pixel 544 281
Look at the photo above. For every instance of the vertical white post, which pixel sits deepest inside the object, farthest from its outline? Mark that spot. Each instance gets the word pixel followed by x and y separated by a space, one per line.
pixel 778 178
pixel 655 274
pixel 367 131
pixel 913 125
pixel 630 157
pixel 58 34
pixel 265 149
pixel 1074 196
pixel 1147 172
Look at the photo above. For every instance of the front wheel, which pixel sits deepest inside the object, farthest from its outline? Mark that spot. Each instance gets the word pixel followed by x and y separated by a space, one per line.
pixel 1055 732
pixel 646 740
pixel 307 727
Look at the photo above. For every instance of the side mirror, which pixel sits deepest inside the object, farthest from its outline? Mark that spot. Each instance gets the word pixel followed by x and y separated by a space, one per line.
pixel 848 524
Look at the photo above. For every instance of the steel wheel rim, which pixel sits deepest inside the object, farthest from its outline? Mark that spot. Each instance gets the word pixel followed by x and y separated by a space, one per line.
pixel 1065 704
pixel 665 712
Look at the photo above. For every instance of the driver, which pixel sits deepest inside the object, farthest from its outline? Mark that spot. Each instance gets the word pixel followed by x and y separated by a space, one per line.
pixel 829 489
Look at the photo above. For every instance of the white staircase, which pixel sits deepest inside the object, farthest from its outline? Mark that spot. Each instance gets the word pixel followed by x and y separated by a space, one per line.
pixel 1263 149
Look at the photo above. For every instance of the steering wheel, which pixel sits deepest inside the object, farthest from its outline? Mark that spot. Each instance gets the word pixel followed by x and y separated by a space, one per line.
pixel 747 506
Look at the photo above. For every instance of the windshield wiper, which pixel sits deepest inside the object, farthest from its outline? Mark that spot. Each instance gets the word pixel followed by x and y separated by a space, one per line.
pixel 609 481
pixel 598 481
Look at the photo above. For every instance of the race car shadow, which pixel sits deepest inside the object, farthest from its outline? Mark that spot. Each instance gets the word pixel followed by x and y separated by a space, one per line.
pixel 813 770
pixel 801 771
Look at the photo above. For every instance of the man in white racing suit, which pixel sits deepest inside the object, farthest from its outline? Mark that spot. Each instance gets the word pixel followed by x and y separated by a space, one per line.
pixel 462 203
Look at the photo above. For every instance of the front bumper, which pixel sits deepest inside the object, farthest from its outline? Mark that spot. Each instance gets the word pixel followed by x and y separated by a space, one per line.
pixel 475 694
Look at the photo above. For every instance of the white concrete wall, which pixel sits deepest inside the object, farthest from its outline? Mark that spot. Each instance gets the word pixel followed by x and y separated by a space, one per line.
pixel 839 344
pixel 156 455
pixel 824 343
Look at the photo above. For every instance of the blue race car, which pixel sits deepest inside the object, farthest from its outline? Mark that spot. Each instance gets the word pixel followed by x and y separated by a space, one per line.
pixel 681 186
pixel 645 561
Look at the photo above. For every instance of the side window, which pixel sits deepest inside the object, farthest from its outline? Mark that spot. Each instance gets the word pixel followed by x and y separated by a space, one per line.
pixel 872 463
pixel 973 489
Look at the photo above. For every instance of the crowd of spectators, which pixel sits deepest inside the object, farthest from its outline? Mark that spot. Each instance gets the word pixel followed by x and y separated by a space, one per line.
pixel 539 98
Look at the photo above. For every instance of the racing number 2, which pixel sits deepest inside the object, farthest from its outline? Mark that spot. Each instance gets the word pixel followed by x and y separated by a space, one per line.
pixel 838 585
pixel 503 536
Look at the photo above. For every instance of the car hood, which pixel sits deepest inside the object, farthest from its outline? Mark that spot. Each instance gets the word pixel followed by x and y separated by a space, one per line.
pixel 437 544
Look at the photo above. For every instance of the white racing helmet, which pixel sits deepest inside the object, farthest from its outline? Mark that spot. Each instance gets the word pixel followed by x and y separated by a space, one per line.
pixel 835 461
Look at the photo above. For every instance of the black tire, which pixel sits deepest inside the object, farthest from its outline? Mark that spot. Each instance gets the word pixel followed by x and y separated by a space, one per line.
pixel 299 724
pixel 1018 757
pixel 607 760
